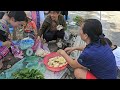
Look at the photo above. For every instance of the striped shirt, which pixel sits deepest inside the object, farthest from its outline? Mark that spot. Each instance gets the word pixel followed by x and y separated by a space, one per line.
pixel 3 27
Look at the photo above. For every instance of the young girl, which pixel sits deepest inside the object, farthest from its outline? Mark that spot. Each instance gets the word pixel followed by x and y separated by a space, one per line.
pixel 96 60
pixel 14 18
pixel 30 28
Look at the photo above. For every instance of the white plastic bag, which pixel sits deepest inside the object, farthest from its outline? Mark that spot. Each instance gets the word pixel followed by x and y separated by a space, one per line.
pixel 66 36
pixel 59 27
pixel 42 50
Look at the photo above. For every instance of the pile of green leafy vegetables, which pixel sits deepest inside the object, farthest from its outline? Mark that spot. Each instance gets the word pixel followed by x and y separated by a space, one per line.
pixel 28 74
pixel 78 20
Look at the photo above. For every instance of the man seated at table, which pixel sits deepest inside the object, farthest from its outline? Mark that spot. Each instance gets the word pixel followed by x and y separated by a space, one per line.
pixel 53 26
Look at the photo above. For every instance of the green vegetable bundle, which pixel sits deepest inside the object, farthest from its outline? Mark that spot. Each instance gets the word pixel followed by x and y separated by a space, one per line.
pixel 78 20
pixel 28 74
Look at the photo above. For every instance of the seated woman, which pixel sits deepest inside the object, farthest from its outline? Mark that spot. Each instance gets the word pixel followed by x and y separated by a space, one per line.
pixel 14 18
pixel 53 26
pixel 96 60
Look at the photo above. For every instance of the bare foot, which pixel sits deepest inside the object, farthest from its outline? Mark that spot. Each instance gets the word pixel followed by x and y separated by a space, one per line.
pixel 1 64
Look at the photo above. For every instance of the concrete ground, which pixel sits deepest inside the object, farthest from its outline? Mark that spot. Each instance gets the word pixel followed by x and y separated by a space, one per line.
pixel 110 21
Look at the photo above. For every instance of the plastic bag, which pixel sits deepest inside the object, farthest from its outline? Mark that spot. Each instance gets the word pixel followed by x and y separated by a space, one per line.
pixel 45 47
pixel 39 45
pixel 66 36
pixel 26 43
pixel 42 50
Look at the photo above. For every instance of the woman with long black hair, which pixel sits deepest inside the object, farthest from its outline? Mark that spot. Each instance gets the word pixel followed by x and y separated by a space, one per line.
pixel 96 60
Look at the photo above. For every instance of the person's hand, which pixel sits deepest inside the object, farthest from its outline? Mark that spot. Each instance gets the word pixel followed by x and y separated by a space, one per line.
pixel 42 40
pixel 38 38
pixel 10 37
pixel 61 52
pixel 69 50
pixel 59 27
pixel 35 32
pixel 36 35
pixel 7 44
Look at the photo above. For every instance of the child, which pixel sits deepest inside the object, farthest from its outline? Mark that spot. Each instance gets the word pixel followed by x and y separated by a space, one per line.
pixel 116 52
pixel 30 28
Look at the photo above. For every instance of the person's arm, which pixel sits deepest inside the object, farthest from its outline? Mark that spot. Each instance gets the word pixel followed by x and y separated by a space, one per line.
pixel 71 62
pixel 70 49
pixel 43 28
pixel 6 43
pixel 80 48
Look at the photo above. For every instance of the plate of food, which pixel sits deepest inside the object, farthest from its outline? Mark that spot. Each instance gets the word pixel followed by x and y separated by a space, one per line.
pixel 55 62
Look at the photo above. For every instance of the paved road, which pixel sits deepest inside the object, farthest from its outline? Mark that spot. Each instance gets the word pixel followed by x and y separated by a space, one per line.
pixel 110 21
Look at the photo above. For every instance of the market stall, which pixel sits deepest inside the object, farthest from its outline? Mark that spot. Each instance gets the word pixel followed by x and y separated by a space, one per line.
pixel 31 60
pixel 35 59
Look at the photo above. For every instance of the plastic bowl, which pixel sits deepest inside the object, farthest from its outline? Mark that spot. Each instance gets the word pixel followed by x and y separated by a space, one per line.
pixel 54 69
